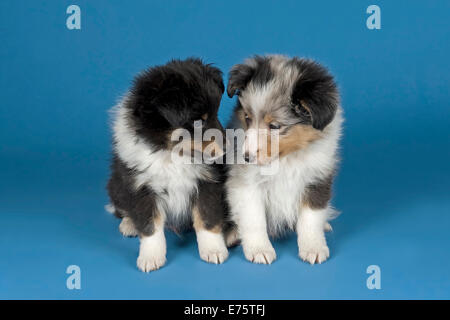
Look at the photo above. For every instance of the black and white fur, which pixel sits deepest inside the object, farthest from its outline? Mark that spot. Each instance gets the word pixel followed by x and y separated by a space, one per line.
pixel 295 92
pixel 148 190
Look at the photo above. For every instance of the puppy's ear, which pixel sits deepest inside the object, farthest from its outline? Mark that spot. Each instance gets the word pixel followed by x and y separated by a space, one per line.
pixel 216 75
pixel 155 89
pixel 213 72
pixel 315 94
pixel 240 75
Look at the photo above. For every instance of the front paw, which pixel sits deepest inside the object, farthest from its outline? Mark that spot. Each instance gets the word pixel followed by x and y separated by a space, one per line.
pixel 147 262
pixel 314 252
pixel 211 246
pixel 214 255
pixel 264 254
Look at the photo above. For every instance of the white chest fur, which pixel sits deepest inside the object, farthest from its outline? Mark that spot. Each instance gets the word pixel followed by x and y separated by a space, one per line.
pixel 174 183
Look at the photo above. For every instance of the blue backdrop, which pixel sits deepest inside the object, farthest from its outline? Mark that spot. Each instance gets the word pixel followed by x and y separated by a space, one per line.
pixel 56 86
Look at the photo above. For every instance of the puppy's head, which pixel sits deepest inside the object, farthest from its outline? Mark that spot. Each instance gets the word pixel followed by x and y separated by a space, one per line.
pixel 179 96
pixel 292 100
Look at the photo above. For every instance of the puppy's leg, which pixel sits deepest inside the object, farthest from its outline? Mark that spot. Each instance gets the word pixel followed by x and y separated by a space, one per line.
pixel 211 243
pixel 248 211
pixel 208 218
pixel 312 222
pixel 141 215
pixel 152 251
pixel 148 219
pixel 311 236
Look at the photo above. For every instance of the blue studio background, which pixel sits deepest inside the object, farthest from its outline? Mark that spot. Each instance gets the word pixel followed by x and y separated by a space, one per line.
pixel 56 86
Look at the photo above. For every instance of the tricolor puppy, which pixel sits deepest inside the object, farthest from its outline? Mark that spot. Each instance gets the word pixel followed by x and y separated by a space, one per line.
pixel 297 101
pixel 148 188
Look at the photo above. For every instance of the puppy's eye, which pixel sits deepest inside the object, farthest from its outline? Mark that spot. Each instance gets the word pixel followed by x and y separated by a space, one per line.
pixel 274 126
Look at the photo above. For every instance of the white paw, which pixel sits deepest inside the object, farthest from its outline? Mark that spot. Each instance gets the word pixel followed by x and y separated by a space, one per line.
pixel 312 245
pixel 316 253
pixel 214 255
pixel 152 252
pixel 260 254
pixel 127 228
pixel 211 247
pixel 327 227
pixel 147 262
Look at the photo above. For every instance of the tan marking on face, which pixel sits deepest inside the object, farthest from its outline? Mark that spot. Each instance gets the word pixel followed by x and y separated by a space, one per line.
pixel 212 148
pixel 298 137
pixel 205 117
pixel 199 224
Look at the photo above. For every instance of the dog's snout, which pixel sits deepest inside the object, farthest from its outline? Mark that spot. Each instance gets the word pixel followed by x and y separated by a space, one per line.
pixel 247 157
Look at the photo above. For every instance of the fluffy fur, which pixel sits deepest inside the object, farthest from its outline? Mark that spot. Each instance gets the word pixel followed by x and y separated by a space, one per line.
pixel 147 189
pixel 299 98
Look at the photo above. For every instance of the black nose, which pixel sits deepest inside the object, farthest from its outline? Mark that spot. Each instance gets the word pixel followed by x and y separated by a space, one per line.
pixel 246 157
